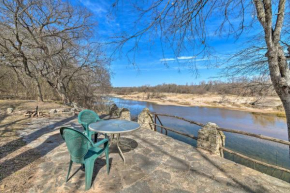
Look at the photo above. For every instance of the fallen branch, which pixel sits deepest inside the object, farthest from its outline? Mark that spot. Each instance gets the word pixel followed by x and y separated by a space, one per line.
pixel 35 113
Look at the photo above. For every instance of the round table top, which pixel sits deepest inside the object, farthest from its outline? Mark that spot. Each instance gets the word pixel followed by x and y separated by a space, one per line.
pixel 114 126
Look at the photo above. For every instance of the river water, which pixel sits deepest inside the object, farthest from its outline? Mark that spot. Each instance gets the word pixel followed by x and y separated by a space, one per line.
pixel 259 149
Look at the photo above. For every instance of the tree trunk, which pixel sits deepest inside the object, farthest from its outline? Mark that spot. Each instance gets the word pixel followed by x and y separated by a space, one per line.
pixel 62 93
pixel 286 105
pixel 39 91
pixel 279 73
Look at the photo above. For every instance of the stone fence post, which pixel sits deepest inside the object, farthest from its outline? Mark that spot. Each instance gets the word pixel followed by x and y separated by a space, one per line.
pixel 114 110
pixel 211 139
pixel 145 119
pixel 120 113
pixel 124 114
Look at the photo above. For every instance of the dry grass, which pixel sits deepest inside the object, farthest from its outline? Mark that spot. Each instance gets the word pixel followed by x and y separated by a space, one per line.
pixel 19 105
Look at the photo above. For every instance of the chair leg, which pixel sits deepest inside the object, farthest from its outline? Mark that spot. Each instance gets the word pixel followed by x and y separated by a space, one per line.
pixel 96 137
pixel 89 173
pixel 107 158
pixel 69 168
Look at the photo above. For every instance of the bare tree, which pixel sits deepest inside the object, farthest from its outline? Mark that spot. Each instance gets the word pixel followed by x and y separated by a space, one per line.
pixel 188 25
pixel 49 41
pixel 35 33
pixel 90 86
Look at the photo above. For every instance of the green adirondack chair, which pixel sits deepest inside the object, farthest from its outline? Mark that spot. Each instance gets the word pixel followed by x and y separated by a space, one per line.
pixel 85 118
pixel 83 151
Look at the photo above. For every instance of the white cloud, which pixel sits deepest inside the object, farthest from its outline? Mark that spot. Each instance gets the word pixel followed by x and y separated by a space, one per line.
pixel 167 59
pixel 178 58
pixel 99 8
pixel 186 57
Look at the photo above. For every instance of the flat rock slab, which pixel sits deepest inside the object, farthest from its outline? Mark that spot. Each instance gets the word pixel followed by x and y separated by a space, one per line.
pixel 156 163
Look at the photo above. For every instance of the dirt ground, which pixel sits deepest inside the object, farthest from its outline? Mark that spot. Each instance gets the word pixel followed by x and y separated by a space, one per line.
pixel 23 105
pixel 11 144
pixel 268 105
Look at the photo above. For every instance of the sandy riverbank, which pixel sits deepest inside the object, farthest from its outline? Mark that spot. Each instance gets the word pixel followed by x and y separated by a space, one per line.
pixel 265 105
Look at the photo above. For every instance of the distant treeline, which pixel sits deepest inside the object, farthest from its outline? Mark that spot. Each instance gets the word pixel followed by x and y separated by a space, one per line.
pixel 238 86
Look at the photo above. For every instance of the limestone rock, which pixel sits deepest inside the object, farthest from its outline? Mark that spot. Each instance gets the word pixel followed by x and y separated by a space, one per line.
pixel 75 105
pixel 210 139
pixel 9 110
pixel 52 111
pixel 74 110
pixel 145 119
pixel 124 114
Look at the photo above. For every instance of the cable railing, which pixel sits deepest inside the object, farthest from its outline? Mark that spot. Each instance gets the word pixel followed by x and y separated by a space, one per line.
pixel 157 118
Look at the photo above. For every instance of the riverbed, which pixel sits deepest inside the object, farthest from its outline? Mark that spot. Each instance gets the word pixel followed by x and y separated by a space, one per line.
pixel 269 125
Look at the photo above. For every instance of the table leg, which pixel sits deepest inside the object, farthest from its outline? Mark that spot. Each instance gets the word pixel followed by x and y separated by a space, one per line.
pixel 118 143
pixel 96 138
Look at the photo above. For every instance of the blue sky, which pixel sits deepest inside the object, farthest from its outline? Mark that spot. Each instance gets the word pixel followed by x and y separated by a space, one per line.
pixel 150 67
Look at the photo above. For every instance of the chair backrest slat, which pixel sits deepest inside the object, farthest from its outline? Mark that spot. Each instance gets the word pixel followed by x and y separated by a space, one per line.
pixel 77 143
pixel 87 117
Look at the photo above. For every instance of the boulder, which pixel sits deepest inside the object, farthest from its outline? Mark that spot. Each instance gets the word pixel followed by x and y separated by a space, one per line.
pixel 74 105
pixel 10 110
pixel 52 111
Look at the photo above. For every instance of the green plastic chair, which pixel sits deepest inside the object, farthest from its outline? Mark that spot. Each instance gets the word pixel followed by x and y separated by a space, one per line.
pixel 85 118
pixel 82 150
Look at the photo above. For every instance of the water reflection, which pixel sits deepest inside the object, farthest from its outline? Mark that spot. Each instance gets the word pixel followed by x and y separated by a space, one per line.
pixel 264 120
pixel 255 123
pixel 277 154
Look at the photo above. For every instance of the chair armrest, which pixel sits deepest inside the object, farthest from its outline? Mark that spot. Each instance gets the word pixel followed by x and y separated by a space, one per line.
pixel 100 142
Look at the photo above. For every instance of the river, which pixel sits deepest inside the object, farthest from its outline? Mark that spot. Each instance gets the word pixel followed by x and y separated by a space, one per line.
pixel 259 149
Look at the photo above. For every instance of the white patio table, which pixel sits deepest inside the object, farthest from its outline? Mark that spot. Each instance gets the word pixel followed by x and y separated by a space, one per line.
pixel 115 126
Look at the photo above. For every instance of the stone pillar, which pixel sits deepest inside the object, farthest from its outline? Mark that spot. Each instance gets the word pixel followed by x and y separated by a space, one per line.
pixel 145 118
pixel 210 139
pixel 125 114
pixel 114 110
